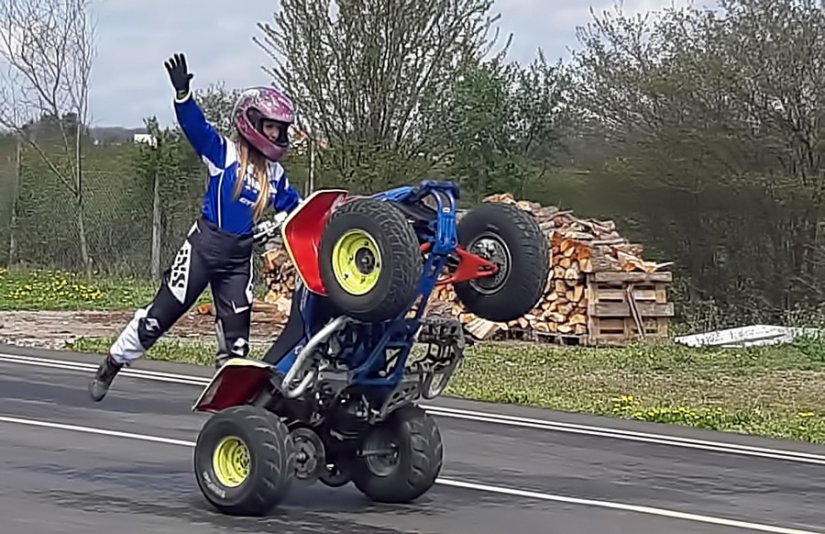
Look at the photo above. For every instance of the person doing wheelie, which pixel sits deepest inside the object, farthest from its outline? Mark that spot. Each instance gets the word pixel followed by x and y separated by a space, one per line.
pixel 245 179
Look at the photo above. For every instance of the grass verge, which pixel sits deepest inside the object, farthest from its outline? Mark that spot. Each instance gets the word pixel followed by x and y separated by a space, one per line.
pixel 49 290
pixel 771 391
pixel 40 290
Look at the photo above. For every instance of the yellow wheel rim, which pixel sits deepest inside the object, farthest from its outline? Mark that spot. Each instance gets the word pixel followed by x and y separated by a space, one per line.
pixel 356 262
pixel 231 462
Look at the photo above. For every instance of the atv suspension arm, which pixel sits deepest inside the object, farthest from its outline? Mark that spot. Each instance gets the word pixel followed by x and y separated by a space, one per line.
pixel 470 267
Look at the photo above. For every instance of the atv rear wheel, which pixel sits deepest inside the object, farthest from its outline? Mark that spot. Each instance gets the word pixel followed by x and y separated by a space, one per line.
pixel 244 460
pixel 370 260
pixel 512 239
pixel 401 457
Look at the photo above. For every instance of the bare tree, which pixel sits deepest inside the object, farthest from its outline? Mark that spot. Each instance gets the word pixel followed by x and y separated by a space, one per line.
pixel 217 102
pixel 47 46
pixel 372 77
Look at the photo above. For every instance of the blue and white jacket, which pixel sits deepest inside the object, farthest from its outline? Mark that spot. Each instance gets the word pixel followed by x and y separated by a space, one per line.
pixel 221 157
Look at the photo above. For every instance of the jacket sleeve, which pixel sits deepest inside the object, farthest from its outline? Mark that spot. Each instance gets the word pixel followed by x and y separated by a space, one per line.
pixel 204 138
pixel 286 195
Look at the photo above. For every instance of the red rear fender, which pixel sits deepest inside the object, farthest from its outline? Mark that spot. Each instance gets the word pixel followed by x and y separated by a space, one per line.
pixel 237 383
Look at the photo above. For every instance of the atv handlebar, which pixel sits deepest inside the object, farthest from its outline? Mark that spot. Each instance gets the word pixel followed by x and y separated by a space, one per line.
pixel 269 230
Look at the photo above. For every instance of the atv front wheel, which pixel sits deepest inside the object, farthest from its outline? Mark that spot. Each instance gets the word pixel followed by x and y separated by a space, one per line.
pixel 512 239
pixel 244 461
pixel 370 260
pixel 400 458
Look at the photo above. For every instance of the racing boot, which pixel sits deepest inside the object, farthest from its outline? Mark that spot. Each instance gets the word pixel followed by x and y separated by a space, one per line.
pixel 107 371
pixel 220 359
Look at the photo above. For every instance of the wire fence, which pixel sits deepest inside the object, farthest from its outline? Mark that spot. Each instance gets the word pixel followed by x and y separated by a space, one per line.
pixel 115 217
pixel 131 216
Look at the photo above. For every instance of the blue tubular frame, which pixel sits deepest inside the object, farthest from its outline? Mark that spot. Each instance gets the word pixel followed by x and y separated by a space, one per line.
pixel 368 357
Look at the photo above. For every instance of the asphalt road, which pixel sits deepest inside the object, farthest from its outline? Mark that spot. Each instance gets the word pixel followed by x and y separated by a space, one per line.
pixel 500 476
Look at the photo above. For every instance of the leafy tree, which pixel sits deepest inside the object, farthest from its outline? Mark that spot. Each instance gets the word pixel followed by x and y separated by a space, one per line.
pixel 504 124
pixel 714 124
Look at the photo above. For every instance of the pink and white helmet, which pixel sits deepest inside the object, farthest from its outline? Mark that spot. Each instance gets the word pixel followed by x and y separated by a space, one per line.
pixel 259 103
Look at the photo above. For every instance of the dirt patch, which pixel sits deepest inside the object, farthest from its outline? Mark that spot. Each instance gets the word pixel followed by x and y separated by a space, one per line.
pixel 53 329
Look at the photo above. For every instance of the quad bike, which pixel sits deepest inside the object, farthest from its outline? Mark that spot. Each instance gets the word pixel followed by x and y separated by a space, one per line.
pixel 335 397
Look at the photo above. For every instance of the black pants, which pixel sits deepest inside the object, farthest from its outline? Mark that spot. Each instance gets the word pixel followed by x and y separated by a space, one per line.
pixel 208 256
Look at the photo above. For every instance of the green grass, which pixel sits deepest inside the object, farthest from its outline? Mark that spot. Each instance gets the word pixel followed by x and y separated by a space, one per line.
pixel 771 391
pixel 56 290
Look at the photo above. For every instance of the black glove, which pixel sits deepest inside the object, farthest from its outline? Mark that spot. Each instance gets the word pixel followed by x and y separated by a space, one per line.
pixel 176 67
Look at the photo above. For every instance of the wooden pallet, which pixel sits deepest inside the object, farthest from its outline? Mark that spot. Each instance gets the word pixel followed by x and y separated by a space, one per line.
pixel 619 303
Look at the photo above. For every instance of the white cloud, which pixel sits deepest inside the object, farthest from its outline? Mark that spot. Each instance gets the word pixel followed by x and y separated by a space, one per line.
pixel 135 37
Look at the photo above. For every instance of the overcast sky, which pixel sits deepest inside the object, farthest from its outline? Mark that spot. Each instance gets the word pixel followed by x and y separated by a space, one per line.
pixel 134 37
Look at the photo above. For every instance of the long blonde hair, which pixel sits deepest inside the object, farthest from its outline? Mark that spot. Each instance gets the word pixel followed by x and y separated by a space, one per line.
pixel 248 155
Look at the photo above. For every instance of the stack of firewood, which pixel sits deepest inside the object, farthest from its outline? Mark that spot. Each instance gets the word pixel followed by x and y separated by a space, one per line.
pixel 279 276
pixel 578 246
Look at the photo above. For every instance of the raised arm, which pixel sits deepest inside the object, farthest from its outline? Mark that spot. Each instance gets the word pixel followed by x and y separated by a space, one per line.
pixel 204 138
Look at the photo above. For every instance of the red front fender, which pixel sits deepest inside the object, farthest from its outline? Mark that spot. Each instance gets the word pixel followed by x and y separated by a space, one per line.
pixel 302 231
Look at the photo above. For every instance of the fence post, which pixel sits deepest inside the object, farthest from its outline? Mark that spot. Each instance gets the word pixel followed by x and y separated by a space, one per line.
pixel 15 187
pixel 156 225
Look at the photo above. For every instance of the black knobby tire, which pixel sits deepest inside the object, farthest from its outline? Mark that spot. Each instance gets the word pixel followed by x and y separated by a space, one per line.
pixel 271 453
pixel 418 460
pixel 400 266
pixel 518 242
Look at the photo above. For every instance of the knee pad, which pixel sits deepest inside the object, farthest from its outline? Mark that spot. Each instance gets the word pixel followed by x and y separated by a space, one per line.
pixel 149 328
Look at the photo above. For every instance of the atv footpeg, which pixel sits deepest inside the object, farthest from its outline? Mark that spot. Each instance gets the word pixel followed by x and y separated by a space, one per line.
pixel 406 392
pixel 445 351
pixel 442 332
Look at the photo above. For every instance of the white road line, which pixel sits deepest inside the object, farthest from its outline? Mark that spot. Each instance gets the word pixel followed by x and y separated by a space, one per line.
pixel 630 435
pixel 458 483
pixel 486 417
pixel 90 430
pixel 80 366
pixel 621 506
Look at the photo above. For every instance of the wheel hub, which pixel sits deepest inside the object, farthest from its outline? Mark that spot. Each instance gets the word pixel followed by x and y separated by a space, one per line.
pixel 491 248
pixel 310 458
pixel 231 461
pixel 364 261
pixel 356 262
pixel 380 453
